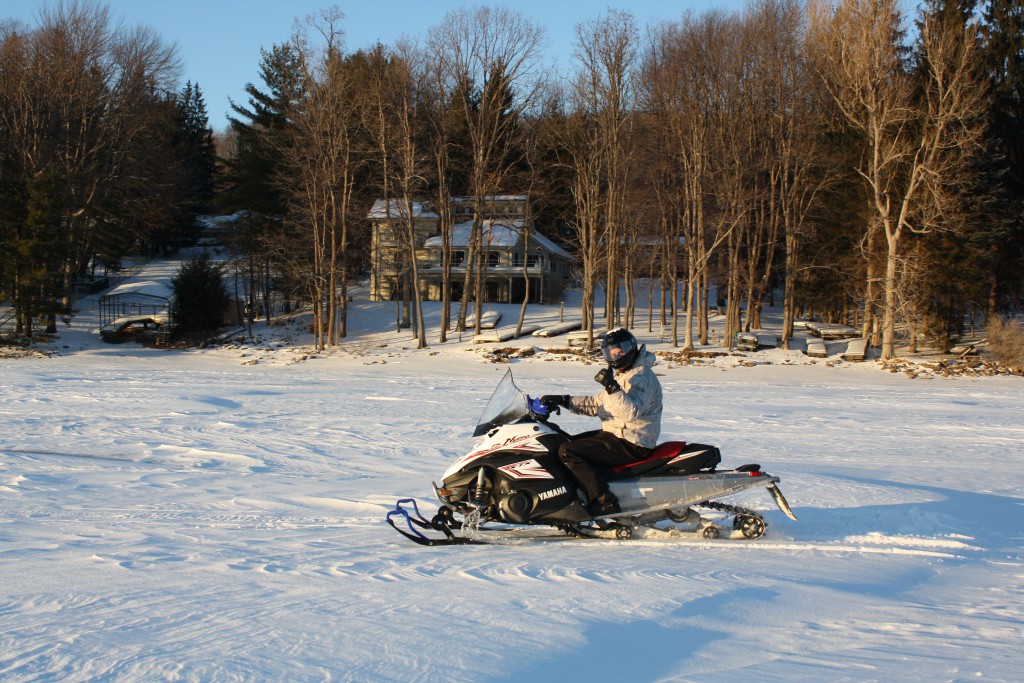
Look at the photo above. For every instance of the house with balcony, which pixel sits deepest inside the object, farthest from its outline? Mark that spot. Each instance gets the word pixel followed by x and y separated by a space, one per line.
pixel 389 256
pixel 511 248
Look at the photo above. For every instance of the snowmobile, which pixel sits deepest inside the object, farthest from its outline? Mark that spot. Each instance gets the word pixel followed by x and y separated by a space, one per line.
pixel 513 477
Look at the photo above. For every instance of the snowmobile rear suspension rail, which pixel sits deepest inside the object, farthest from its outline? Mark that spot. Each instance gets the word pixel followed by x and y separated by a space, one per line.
pixel 725 507
pixel 747 521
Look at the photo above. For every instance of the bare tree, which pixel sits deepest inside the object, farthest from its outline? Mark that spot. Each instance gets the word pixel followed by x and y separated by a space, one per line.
pixel 534 134
pixel 915 142
pixel 490 58
pixel 788 146
pixel 321 156
pixel 576 145
pixel 679 74
pixel 395 84
pixel 734 117
pixel 438 112
pixel 606 55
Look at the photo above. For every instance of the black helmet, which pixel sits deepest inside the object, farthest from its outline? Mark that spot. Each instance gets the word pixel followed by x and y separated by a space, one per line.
pixel 619 348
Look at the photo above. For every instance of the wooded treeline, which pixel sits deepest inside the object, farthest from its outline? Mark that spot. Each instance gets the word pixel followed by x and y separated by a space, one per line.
pixel 101 152
pixel 862 165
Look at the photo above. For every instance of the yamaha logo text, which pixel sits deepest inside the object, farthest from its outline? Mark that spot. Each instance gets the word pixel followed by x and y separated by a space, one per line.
pixel 546 495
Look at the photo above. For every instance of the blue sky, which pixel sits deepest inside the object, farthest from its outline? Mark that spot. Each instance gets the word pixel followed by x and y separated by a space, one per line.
pixel 219 40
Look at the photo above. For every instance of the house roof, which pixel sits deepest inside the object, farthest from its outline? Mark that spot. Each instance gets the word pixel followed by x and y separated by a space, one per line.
pixel 147 288
pixel 496 234
pixel 549 244
pixel 395 208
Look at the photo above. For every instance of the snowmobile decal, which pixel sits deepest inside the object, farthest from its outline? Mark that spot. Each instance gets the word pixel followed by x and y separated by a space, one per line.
pixel 527 469
pixel 681 457
pixel 521 443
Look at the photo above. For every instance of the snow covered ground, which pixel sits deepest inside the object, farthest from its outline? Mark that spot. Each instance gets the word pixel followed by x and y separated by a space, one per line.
pixel 217 515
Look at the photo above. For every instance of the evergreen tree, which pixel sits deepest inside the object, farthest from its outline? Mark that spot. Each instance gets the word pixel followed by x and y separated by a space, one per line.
pixel 262 130
pixel 77 102
pixel 941 273
pixel 151 207
pixel 200 297
pixel 253 179
pixel 1001 176
pixel 195 150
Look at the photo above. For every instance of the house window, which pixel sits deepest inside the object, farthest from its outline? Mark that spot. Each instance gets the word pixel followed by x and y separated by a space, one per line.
pixel 387 235
pixel 493 258
pixel 458 257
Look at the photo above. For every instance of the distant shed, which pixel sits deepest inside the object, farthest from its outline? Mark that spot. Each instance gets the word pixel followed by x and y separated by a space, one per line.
pixel 136 299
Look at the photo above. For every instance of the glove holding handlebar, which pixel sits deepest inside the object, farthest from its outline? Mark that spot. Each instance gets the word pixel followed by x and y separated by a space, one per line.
pixel 554 402
pixel 537 407
pixel 606 378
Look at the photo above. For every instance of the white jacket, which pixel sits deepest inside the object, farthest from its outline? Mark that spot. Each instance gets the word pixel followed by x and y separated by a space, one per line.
pixel 634 413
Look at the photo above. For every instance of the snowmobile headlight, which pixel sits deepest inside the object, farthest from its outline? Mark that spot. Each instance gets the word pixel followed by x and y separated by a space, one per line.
pixel 448 495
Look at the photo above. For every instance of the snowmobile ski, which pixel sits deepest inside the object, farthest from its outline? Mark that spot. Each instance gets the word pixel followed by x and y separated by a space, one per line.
pixel 414 519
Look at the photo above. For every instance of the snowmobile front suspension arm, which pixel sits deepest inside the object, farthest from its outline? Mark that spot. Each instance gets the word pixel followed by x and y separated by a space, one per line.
pixel 413 519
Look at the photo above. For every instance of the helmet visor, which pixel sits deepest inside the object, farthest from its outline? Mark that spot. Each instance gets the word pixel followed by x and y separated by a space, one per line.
pixel 617 352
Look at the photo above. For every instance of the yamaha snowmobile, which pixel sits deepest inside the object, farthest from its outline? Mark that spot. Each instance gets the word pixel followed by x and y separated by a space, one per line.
pixel 513 477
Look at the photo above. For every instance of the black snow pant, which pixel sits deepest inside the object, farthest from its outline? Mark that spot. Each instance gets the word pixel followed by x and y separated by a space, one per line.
pixel 589 455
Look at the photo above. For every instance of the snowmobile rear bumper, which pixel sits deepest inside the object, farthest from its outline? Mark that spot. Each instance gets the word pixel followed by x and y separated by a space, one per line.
pixel 780 499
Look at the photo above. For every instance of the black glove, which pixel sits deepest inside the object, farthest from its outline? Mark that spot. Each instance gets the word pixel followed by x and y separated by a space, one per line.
pixel 552 402
pixel 606 378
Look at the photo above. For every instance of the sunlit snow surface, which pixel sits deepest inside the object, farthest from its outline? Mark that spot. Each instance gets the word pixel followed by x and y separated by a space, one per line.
pixel 189 516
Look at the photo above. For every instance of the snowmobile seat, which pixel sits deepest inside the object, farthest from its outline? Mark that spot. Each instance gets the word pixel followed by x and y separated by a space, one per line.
pixel 675 456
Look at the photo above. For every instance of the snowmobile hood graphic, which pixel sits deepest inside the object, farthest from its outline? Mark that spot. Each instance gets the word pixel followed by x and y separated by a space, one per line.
pixel 513 477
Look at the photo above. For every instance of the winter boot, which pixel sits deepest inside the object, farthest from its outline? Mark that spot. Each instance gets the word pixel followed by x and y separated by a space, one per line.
pixel 604 504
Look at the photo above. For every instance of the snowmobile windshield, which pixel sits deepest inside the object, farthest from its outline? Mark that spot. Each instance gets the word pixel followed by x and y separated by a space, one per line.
pixel 507 404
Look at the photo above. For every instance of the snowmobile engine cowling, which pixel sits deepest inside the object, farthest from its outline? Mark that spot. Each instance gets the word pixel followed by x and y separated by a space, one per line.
pixel 516 507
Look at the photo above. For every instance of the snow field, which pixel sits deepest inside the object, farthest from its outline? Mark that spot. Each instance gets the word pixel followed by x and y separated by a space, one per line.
pixel 185 517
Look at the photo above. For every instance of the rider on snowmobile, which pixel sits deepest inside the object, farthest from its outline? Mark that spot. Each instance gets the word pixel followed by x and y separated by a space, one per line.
pixel 629 406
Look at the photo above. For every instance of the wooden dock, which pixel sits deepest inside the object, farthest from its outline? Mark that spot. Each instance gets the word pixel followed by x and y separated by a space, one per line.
pixel 555 330
pixel 580 338
pixel 504 334
pixel 816 348
pixel 856 350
